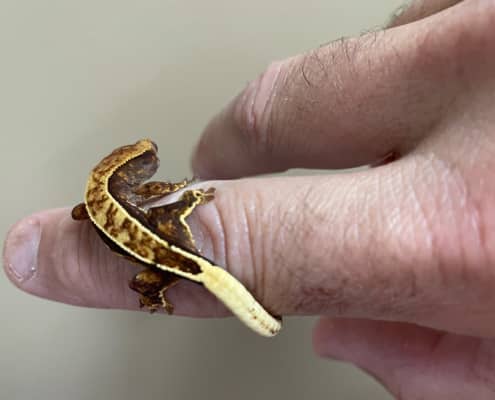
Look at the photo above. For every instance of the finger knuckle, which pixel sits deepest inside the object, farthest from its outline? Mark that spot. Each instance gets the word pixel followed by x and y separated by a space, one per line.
pixel 462 51
pixel 255 107
pixel 237 240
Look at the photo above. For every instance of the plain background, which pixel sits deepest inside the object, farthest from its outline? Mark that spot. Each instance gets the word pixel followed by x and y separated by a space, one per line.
pixel 80 78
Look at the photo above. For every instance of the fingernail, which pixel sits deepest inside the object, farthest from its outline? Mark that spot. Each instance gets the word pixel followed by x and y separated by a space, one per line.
pixel 20 251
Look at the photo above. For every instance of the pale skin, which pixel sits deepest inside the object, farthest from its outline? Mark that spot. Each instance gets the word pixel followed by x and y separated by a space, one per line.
pixel 399 260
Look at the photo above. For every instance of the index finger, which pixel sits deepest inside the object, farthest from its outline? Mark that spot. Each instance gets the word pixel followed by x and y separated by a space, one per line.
pixel 345 104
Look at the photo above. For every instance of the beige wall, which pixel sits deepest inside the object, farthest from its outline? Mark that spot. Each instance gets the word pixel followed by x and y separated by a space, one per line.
pixel 77 79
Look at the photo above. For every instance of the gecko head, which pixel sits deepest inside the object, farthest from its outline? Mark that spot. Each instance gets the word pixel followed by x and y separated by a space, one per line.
pixel 147 144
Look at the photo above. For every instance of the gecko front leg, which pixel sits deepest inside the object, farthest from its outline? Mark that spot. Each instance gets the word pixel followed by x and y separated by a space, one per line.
pixel 155 189
pixel 169 220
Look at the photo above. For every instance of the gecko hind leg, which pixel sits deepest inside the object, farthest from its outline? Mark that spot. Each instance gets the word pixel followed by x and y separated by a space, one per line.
pixel 152 285
pixel 80 212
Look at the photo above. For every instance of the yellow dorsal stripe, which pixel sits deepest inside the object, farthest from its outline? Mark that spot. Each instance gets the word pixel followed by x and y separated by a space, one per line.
pixel 223 285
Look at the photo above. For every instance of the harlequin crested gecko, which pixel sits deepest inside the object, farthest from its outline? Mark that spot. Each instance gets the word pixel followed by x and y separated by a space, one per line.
pixel 159 238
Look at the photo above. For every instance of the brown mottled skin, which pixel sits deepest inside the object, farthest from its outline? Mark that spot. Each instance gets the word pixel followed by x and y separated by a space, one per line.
pixel 116 184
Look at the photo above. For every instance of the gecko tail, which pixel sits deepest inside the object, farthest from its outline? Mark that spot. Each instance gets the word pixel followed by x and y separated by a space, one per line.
pixel 237 299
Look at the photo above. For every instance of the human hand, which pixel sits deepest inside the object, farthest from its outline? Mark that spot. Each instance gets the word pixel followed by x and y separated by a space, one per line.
pixel 399 258
pixel 403 255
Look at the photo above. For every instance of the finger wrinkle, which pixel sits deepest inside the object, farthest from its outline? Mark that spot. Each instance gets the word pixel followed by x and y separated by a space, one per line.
pixel 85 244
pixel 253 111
pixel 258 215
pixel 316 290
pixel 466 242
pixel 410 228
pixel 60 262
pixel 263 242
pixel 316 74
pixel 209 231
pixel 376 221
pixel 422 230
pixel 458 258
pixel 61 254
pixel 248 216
pixel 224 235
